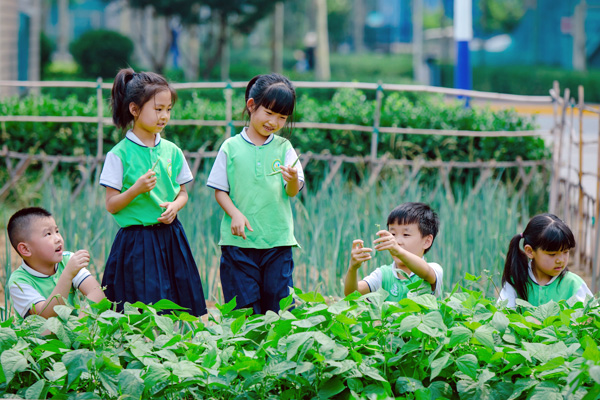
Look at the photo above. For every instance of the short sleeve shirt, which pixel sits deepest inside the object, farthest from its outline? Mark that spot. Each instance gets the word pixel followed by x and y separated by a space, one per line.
pixel 571 285
pixel 129 160
pixel 375 279
pixel 248 173
pixel 28 287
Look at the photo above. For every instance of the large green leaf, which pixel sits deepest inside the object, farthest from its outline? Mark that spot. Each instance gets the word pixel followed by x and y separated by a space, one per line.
pixel 130 384
pixel 468 365
pixel 12 362
pixel 76 363
pixel 330 388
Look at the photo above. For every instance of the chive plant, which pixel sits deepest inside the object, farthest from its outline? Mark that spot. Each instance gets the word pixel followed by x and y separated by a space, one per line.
pixel 475 228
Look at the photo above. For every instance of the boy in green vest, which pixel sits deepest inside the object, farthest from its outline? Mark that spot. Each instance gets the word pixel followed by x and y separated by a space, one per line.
pixel 48 276
pixel 412 228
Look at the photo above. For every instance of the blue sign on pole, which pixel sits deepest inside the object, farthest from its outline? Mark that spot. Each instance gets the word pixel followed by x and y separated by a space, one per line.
pixel 463 34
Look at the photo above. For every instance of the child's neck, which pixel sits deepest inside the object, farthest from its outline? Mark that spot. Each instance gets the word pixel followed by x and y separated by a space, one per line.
pixel 146 137
pixel 402 267
pixel 256 137
pixel 41 267
pixel 541 278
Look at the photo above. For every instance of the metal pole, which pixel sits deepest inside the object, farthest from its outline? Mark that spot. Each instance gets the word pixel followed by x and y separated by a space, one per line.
pixel 463 34
pixel 228 92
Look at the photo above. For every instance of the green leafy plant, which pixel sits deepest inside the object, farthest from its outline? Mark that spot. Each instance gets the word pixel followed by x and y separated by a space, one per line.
pixel 463 346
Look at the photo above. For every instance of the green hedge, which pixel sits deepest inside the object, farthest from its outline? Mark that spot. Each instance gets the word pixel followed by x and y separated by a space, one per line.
pixel 464 346
pixel 347 106
pixel 529 80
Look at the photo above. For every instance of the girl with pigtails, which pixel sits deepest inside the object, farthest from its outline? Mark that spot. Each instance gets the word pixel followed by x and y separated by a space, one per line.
pixel 538 272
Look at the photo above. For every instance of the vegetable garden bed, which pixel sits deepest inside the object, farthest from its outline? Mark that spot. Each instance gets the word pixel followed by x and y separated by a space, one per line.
pixel 464 346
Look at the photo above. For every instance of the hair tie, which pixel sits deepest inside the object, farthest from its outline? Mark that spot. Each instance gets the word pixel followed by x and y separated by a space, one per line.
pixel 521 235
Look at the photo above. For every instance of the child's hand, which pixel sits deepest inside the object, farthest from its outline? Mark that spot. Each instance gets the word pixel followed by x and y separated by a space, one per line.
pixel 80 259
pixel 387 241
pixel 359 254
pixel 146 182
pixel 170 213
pixel 289 173
pixel 238 225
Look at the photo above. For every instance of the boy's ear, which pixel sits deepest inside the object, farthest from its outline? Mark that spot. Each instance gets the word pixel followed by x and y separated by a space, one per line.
pixel 133 109
pixel 23 249
pixel 428 242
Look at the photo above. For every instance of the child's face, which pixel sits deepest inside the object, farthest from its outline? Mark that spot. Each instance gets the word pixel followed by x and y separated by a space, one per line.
pixel 265 121
pixel 409 238
pixel 547 264
pixel 154 115
pixel 45 243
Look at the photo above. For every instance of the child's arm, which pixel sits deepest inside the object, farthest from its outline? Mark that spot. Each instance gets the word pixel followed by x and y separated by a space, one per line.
pixel 173 207
pixel 116 201
pixel 416 264
pixel 79 260
pixel 238 220
pixel 359 255
pixel 91 289
pixel 290 176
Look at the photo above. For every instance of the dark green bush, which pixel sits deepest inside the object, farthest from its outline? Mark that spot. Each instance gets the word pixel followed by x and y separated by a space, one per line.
pixel 345 107
pixel 46 49
pixel 102 53
pixel 521 80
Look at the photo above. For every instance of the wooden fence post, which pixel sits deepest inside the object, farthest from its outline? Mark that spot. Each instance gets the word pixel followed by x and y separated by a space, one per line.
pixel 555 160
pixel 376 122
pixel 580 104
pixel 100 137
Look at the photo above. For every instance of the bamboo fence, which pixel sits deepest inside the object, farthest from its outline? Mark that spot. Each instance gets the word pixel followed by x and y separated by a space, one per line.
pixel 562 190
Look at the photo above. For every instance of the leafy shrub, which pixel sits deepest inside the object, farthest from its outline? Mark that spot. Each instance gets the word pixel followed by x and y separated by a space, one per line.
pixel 102 53
pixel 464 346
pixel 347 106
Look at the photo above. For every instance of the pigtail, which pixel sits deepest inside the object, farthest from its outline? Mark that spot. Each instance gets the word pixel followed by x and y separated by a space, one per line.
pixel 120 107
pixel 250 86
pixel 516 269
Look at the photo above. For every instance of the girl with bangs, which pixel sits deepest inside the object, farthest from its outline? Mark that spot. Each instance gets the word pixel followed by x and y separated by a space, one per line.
pixel 254 176
pixel 538 273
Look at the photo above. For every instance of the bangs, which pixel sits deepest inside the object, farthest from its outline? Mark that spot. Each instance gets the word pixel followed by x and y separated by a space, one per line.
pixel 279 99
pixel 556 239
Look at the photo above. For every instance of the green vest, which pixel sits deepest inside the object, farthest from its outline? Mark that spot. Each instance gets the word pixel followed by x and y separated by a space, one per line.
pixel 44 285
pixel 397 288
pixel 259 196
pixel 137 160
pixel 559 289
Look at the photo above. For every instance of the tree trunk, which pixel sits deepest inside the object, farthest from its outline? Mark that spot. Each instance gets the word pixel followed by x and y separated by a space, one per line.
pixel 322 67
pixel 359 26
pixel 212 61
pixel 277 39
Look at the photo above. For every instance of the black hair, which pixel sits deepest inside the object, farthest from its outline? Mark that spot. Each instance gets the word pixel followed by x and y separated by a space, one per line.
pixel 416 213
pixel 546 232
pixel 135 87
pixel 20 223
pixel 274 92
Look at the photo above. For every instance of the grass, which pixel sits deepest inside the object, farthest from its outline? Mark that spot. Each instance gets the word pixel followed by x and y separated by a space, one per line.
pixel 474 232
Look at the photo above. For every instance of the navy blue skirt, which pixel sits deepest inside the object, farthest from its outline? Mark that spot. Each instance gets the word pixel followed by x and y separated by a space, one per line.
pixel 150 263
